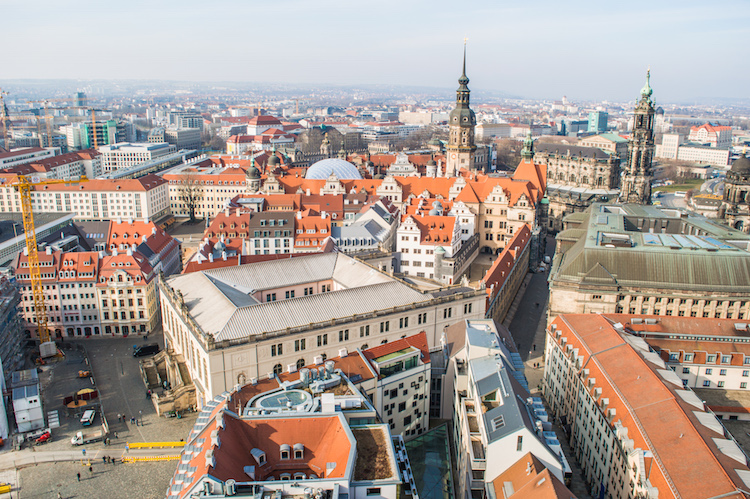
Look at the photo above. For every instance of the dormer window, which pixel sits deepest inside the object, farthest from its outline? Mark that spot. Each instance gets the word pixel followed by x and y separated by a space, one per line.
pixel 299 451
pixel 285 451
pixel 259 456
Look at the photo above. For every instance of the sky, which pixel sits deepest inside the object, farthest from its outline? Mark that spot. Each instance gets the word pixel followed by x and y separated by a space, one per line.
pixel 586 50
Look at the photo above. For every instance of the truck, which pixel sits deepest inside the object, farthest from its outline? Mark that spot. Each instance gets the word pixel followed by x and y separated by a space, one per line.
pixel 84 437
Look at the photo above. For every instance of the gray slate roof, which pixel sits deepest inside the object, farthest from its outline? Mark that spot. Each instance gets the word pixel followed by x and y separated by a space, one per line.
pixel 221 303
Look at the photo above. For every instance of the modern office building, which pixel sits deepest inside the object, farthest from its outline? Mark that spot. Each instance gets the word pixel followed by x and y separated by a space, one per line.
pixel 126 155
pixel 598 121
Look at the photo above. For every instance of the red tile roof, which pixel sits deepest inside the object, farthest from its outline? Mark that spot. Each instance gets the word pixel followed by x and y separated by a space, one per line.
pixel 657 419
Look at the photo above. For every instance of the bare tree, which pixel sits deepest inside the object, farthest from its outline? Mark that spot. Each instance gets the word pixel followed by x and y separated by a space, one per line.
pixel 190 192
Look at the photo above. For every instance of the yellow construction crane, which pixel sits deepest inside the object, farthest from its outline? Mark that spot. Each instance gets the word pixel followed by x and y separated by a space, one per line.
pixel 24 186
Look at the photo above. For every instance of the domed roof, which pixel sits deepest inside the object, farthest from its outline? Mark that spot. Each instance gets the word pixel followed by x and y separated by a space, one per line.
pixel 741 165
pixel 342 168
pixel 273 161
pixel 252 173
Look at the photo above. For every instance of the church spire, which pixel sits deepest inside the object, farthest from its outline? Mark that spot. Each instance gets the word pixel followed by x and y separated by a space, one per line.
pixel 527 153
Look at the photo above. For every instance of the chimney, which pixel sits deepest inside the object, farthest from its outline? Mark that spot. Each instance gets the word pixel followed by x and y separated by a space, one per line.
pixel 226 211
pixel 237 212
pixel 114 252
pixel 153 230
pixel 143 238
pixel 299 215
pixel 210 257
pixel 323 215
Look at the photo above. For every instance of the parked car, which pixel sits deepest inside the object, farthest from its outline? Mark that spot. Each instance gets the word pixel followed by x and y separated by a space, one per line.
pixel 140 351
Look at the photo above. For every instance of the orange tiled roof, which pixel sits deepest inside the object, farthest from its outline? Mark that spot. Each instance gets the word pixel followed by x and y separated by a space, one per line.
pixel 651 410
pixel 500 270
pixel 530 479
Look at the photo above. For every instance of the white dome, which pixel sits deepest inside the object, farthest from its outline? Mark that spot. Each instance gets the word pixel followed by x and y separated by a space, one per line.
pixel 343 169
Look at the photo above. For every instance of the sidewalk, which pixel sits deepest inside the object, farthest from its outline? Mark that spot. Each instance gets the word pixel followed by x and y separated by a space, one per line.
pixel 19 459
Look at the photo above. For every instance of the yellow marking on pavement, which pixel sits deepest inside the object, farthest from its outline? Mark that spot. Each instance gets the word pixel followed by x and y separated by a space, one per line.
pixel 153 445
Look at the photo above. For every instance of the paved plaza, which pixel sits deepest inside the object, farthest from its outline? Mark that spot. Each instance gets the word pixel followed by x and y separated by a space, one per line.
pixel 52 467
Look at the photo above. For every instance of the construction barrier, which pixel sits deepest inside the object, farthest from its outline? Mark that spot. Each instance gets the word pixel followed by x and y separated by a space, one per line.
pixel 154 445
pixel 5 488
pixel 131 459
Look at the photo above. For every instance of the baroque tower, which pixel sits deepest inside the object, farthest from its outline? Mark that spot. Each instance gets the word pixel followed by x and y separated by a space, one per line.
pixel 636 181
pixel 461 147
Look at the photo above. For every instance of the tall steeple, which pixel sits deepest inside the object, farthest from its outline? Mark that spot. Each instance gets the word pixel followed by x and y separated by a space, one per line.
pixel 527 153
pixel 636 180
pixel 461 123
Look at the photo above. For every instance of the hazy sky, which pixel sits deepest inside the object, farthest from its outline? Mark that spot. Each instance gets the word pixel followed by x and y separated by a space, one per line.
pixel 540 49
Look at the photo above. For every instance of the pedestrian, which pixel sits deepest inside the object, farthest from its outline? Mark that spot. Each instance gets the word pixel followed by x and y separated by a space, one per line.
pixel 91 470
pixel 116 435
pixel 59 495
pixel 79 476
pixel 104 459
pixel 84 452
pixel 119 417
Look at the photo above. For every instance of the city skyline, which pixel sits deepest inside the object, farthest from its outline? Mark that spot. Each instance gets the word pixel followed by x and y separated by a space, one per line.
pixel 540 52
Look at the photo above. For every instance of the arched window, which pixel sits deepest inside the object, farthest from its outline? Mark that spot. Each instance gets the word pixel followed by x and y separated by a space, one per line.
pixel 364 347
pixel 277 369
pixel 300 363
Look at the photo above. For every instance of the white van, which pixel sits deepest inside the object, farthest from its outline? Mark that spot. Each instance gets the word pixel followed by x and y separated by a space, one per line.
pixel 88 418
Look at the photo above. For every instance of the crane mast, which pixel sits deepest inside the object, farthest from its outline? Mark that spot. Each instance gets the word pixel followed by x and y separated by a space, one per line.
pixel 24 186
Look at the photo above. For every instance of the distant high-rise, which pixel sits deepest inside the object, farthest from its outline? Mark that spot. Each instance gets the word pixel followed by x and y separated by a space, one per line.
pixel 636 182
pixel 598 121
pixel 80 99
pixel 460 149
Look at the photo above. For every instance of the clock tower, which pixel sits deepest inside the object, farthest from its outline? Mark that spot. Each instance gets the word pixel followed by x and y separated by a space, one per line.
pixel 461 123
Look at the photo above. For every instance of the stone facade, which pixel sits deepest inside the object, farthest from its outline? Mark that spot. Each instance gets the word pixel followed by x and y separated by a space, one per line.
pixel 636 183
pixel 735 209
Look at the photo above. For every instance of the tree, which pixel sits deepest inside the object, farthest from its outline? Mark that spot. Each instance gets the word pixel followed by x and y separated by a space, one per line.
pixel 508 153
pixel 190 192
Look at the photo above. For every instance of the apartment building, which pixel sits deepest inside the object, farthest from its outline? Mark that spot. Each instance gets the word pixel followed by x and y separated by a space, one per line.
pixel 495 421
pixel 719 136
pixel 127 295
pixel 112 291
pixel 125 155
pixel 144 198
pixel 634 429
pixel 73 164
pixel 504 278
pixel 326 441
pixel 25 155
pixel 704 353
pixel 69 281
pixel 304 307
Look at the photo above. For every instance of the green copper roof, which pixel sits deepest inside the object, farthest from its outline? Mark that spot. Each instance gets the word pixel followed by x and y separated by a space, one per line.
pixel 613 137
pixel 646 90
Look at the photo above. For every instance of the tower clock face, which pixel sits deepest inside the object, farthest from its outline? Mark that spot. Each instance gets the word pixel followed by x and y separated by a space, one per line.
pixel 453 156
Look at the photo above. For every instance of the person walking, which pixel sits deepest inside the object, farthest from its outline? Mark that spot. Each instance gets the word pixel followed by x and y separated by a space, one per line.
pixel 104 459
pixel 79 476
pixel 59 495
pixel 91 470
